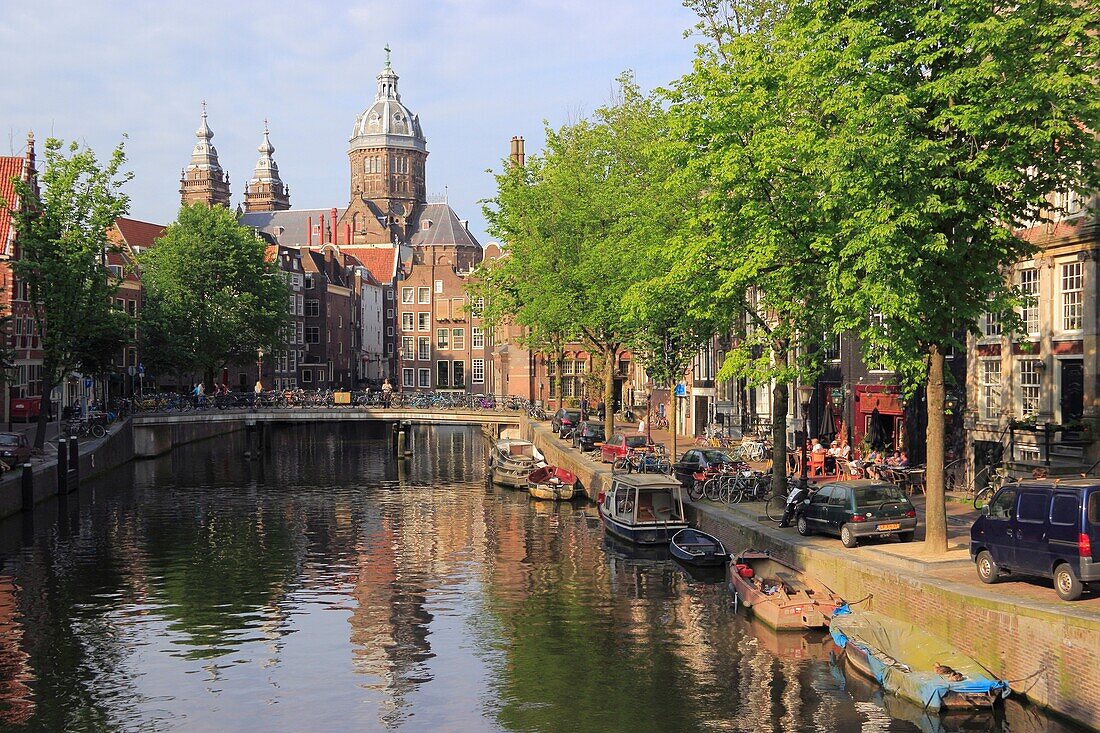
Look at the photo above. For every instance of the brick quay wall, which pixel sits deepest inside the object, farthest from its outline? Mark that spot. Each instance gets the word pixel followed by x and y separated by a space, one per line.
pixel 1050 652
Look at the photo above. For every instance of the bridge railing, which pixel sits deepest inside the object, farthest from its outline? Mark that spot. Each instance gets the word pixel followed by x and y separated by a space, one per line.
pixel 301 399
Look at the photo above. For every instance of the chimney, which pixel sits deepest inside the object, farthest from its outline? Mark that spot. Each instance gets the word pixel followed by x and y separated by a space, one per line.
pixel 347 233
pixel 321 229
pixel 513 151
pixel 335 230
pixel 309 231
pixel 520 157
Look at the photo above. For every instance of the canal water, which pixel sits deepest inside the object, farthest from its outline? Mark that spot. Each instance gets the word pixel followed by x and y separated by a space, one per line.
pixel 324 588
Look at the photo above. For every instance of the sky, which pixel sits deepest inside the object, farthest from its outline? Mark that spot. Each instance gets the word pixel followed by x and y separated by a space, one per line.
pixel 477 72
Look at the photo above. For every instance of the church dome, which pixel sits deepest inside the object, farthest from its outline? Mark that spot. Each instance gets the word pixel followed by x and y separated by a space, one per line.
pixel 388 123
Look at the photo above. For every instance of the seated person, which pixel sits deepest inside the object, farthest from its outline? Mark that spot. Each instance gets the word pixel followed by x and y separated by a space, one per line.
pixel 816 446
pixel 844 450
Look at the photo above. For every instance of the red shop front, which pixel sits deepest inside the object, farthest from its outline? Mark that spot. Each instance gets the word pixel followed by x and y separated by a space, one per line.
pixel 879 405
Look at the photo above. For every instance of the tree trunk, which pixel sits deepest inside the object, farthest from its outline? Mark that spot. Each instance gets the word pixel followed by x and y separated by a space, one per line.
pixel 672 423
pixel 610 353
pixel 779 438
pixel 43 409
pixel 935 518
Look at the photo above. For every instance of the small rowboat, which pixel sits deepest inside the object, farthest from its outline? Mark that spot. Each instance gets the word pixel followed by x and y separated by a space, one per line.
pixel 698 548
pixel 780 595
pixel 913 664
pixel 552 483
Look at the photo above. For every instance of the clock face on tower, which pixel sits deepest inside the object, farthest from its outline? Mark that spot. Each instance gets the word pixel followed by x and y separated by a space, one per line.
pixel 397 209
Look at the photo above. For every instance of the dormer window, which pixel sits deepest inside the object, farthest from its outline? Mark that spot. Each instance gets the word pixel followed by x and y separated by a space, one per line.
pixel 426 224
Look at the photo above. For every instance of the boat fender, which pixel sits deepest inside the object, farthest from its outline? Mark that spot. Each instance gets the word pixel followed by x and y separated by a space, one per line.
pixel 744 571
pixel 599 498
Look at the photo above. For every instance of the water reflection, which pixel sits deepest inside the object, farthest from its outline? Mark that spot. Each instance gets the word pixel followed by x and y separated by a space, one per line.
pixel 330 587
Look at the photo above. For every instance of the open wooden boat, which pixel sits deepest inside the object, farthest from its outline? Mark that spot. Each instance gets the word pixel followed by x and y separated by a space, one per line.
pixel 913 664
pixel 644 508
pixel 694 547
pixel 552 483
pixel 780 595
pixel 511 461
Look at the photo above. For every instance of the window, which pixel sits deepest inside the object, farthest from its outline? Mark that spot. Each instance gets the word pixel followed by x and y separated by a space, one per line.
pixel 460 374
pixel 439 286
pixel 424 321
pixel 406 321
pixel 442 373
pixel 1002 504
pixel 477 371
pixel 831 347
pixel 389 313
pixel 1072 295
pixel 116 271
pixel 1065 509
pixel 991 324
pixel 458 309
pixel 407 378
pixel 477 338
pixel 131 307
pixel 876 356
pixel 425 378
pixel 990 397
pixel 424 349
pixel 313 336
pixel 300 333
pixel 407 346
pixel 389 330
pixel 441 338
pixel 424 295
pixel 406 295
pixel 299 304
pixel 1029 289
pixel 1033 506
pixel 1030 379
pixel 458 336
pixel 309 286
pixel 313 308
pixel 477 307
pixel 389 294
pixel 307 375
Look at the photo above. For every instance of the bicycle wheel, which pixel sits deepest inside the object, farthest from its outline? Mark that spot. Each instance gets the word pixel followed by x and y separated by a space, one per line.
pixel 711 489
pixel 695 491
pixel 97 431
pixel 982 497
pixel 775 507
pixel 620 464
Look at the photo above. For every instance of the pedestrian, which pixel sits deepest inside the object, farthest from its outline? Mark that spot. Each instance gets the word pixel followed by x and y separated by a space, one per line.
pixel 641 426
pixel 584 408
pixel 387 392
pixel 259 388
pixel 601 410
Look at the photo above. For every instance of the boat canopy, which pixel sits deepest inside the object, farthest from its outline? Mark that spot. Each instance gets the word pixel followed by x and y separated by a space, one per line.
pixel 904 658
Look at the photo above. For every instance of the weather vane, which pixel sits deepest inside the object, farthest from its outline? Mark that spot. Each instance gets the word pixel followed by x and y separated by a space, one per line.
pixel 387 50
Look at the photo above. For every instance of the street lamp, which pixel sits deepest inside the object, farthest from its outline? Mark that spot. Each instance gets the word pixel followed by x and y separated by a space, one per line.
pixel 260 365
pixel 648 418
pixel 805 394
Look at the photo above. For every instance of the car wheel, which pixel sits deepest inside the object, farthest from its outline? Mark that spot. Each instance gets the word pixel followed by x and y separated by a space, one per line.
pixel 847 537
pixel 1067 585
pixel 906 536
pixel 988 569
pixel 803 527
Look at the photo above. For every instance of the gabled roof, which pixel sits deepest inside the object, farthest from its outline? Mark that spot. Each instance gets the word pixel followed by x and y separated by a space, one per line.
pixel 290 227
pixel 137 233
pixel 380 261
pixel 443 227
pixel 10 167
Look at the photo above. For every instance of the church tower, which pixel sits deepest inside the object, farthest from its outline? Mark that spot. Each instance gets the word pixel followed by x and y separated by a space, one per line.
pixel 266 191
pixel 387 155
pixel 204 180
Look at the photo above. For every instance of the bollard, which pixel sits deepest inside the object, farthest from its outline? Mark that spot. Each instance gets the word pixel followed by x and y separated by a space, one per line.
pixel 400 443
pixel 74 462
pixel 28 487
pixel 62 464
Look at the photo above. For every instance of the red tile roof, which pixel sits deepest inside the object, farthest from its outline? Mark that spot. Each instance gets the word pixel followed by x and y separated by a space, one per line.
pixel 380 261
pixel 139 233
pixel 10 167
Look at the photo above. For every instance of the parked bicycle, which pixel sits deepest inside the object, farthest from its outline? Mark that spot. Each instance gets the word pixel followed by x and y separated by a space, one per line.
pixel 981 486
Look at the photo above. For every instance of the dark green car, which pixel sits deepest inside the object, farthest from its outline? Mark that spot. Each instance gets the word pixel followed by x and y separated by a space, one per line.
pixel 855 509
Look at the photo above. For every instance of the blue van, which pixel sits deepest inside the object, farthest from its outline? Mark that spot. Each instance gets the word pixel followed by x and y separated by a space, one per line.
pixel 1045 529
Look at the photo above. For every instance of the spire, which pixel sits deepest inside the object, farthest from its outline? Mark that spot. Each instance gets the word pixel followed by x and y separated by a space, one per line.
pixel 387 81
pixel 204 180
pixel 387 50
pixel 266 191
pixel 205 155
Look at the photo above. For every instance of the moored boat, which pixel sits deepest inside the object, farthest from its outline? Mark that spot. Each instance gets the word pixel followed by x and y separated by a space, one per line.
pixel 694 547
pixel 643 508
pixel 780 595
pixel 512 460
pixel 552 483
pixel 911 663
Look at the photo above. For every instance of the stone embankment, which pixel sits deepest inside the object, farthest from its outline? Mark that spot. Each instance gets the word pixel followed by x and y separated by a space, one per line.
pixel 1048 650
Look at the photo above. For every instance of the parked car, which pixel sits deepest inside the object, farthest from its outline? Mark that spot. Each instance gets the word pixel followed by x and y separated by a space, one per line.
pixel 14 449
pixel 855 509
pixel 619 445
pixel 1043 529
pixel 564 420
pixel 698 459
pixel 587 434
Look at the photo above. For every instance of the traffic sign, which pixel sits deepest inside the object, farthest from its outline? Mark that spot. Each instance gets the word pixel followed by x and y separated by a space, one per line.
pixel 88 383
pixel 141 368
pixel 681 390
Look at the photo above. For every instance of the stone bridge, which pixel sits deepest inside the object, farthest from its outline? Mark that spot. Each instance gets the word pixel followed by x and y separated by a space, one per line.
pixel 157 433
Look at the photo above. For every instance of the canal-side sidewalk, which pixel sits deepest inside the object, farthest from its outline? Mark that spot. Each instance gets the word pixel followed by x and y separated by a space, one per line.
pixel 1049 649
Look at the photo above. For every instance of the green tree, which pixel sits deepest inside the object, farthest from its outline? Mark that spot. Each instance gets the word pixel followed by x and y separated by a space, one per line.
pixel 212 296
pixel 950 123
pixel 62 239
pixel 574 219
pixel 747 134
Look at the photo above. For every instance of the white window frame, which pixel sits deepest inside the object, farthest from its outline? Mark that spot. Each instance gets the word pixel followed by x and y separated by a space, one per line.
pixel 1028 280
pixel 408 346
pixel 407 295
pixel 1031 387
pixel 443 367
pixel 424 378
pixel 442 338
pixel 424 321
pixel 989 388
pixel 423 348
pixel 458 366
pixel 408 377
pixel 439 286
pixel 477 337
pixel 477 371
pixel 1071 291
pixel 408 321
pixel 423 295
pixel 458 339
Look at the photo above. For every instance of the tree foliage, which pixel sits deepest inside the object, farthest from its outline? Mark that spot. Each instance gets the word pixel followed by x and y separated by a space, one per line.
pixel 213 298
pixel 62 245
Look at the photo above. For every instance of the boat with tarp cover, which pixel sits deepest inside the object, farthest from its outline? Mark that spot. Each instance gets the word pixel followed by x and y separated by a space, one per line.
pixel 552 483
pixel 913 664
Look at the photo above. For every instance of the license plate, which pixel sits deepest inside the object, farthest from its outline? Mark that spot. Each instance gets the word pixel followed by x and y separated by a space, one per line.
pixel 888 527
